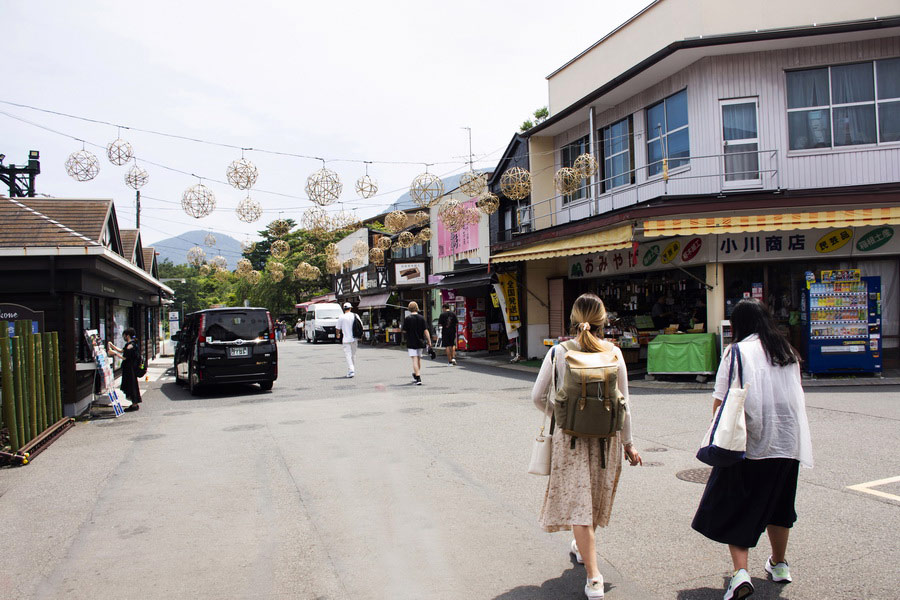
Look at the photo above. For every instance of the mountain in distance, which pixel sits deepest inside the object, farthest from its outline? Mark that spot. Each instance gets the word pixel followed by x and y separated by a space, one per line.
pixel 176 248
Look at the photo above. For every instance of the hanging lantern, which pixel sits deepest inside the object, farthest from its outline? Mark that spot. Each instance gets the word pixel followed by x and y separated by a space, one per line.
pixel 366 187
pixel 515 183
pixel 280 249
pixel 384 242
pixel 196 256
pixel 406 239
pixel 82 165
pixel 426 189
pixel 198 201
pixel 248 246
pixel 420 217
pixel 567 180
pixel 210 240
pixel 136 177
pixel 324 187
pixel 279 228
pixel 488 203
pixel 218 262
pixel 473 184
pixel 396 221
pixel 248 210
pixel 586 165
pixel 424 234
pixel 244 266
pixel 253 277
pixel 376 256
pixel 119 152
pixel 204 270
pixel 309 249
pixel 315 219
pixel 242 174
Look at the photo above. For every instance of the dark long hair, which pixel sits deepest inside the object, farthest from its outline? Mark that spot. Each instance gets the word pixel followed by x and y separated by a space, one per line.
pixel 751 316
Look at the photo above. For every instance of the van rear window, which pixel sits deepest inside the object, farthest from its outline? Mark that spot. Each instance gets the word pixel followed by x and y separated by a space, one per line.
pixel 238 325
pixel 328 313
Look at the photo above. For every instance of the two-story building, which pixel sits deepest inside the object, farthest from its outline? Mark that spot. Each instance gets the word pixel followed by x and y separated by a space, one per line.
pixel 743 149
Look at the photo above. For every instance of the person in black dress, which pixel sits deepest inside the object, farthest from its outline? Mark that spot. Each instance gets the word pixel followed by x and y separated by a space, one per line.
pixel 418 338
pixel 131 358
pixel 449 324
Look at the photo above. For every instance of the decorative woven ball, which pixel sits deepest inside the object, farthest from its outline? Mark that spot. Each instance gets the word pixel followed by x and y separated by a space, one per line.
pixel 448 206
pixel 331 249
pixel 406 239
pixel 253 277
pixel 360 247
pixel 136 177
pixel 276 276
pixel 248 210
pixel 119 152
pixel 279 228
pixel 280 249
pixel 196 256
pixel 424 234
pixel 315 219
pixel 205 270
pixel 471 215
pixel 396 221
pixel 348 264
pixel 420 217
pixel 567 180
pixel 198 201
pixel 376 256
pixel 358 260
pixel 244 266
pixel 366 187
pixel 454 219
pixel 248 246
pixel 515 183
pixel 332 264
pixel 210 240
pixel 218 262
pixel 242 174
pixel 488 203
pixel 426 189
pixel 222 275
pixel 82 165
pixel 384 242
pixel 343 220
pixel 274 265
pixel 309 249
pixel 324 187
pixel 586 165
pixel 472 183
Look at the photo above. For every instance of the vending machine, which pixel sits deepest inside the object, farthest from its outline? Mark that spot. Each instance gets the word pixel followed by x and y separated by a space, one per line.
pixel 472 316
pixel 844 317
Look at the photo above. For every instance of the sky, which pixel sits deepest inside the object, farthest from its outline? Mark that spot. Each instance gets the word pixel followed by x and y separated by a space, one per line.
pixel 390 82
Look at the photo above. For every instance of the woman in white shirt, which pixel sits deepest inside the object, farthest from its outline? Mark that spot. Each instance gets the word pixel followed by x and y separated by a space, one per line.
pixel 757 494
pixel 583 475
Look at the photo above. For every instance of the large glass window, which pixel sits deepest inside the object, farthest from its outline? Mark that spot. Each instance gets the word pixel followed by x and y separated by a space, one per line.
pixel 569 153
pixel 844 105
pixel 667 133
pixel 618 154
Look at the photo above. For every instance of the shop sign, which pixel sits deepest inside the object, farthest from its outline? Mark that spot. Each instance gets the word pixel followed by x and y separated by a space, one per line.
pixel 683 251
pixel 671 251
pixel 17 312
pixel 691 250
pixel 651 255
pixel 507 292
pixel 834 240
pixel 409 273
pixel 875 239
pixel 797 244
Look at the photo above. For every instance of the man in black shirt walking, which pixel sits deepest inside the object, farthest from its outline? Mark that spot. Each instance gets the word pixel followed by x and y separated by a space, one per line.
pixel 417 339
pixel 449 325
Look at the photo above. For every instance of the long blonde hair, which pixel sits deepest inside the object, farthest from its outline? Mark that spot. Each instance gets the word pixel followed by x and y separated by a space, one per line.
pixel 588 319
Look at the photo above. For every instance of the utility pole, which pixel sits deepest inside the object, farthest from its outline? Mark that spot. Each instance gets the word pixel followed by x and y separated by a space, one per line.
pixel 137 217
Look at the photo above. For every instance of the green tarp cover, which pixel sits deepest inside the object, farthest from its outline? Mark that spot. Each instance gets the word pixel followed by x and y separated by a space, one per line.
pixel 682 353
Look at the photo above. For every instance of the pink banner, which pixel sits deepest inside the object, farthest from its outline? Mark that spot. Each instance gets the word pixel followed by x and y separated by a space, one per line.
pixel 462 241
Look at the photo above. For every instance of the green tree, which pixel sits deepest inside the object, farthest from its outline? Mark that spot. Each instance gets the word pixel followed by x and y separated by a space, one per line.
pixel 540 115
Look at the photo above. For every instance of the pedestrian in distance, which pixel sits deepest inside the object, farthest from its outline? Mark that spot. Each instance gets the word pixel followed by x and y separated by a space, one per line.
pixel 757 494
pixel 449 326
pixel 131 359
pixel 584 471
pixel 349 339
pixel 418 338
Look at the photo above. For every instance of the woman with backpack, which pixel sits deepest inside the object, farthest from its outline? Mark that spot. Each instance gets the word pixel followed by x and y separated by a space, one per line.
pixel 584 471
pixel 131 360
pixel 757 494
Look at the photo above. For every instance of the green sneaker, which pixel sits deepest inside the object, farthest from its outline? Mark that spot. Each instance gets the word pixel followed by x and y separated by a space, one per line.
pixel 780 572
pixel 740 586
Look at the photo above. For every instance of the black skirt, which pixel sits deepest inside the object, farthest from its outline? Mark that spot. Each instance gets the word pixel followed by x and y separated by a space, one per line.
pixel 741 500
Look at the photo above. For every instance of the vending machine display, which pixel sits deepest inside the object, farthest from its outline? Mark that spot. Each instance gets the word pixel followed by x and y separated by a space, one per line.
pixel 472 324
pixel 844 317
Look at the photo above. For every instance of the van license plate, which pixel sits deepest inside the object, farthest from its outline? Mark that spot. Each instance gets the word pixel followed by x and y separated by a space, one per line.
pixel 240 351
pixel 331 335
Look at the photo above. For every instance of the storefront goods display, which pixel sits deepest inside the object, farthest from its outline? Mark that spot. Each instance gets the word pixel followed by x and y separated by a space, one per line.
pixel 845 321
pixel 196 256
pixel 242 174
pixel 515 183
pixel 586 165
pixel 324 187
pixel 366 187
pixel 426 189
pixel 119 152
pixel 136 177
pixel 567 180
pixel 82 165
pixel 248 210
pixel 473 184
pixel 683 354
pixel 488 203
pixel 198 201
pixel 396 221
pixel 279 249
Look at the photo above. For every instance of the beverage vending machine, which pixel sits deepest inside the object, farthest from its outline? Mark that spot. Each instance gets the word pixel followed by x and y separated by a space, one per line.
pixel 472 318
pixel 844 317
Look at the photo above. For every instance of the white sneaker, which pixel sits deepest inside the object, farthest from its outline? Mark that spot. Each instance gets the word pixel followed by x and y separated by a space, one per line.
pixel 453 362
pixel 780 572
pixel 351 374
pixel 573 549
pixel 594 588
pixel 739 587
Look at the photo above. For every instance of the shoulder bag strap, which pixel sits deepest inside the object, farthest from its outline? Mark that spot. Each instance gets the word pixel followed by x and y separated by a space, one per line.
pixel 734 351
pixel 740 364
pixel 552 390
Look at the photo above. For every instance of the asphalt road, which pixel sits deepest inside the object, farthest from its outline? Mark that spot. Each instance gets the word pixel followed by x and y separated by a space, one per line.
pixel 329 488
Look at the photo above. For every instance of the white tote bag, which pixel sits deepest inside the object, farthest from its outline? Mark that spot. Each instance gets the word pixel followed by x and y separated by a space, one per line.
pixel 725 442
pixel 542 446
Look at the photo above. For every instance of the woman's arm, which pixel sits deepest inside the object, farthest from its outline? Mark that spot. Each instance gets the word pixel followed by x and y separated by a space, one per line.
pixel 542 383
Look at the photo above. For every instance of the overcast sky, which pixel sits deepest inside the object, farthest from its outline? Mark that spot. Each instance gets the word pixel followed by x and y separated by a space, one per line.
pixel 392 81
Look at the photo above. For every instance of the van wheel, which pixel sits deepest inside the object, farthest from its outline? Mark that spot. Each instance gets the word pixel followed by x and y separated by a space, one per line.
pixel 266 385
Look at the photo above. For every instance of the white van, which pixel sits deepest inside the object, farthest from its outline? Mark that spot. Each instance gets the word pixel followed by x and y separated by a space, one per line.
pixel 321 322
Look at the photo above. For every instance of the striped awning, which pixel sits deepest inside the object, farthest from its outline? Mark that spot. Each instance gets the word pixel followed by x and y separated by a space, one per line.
pixel 597 241
pixel 859 217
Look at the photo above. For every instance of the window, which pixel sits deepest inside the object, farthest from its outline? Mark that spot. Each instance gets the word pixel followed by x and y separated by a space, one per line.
pixel 667 133
pixel 569 154
pixel 740 141
pixel 618 154
pixel 844 105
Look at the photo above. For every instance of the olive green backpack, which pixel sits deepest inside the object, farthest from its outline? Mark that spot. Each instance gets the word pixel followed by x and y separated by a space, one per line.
pixel 588 402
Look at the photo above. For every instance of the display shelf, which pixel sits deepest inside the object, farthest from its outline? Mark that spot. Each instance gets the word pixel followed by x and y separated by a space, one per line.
pixel 838 322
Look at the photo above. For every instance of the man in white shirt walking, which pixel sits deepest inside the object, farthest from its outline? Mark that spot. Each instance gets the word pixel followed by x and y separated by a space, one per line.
pixel 348 341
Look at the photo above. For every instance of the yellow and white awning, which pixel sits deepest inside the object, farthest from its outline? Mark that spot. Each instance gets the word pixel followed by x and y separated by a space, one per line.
pixel 597 241
pixel 859 217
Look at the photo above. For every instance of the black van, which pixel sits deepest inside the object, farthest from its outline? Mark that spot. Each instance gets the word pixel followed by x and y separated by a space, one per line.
pixel 226 345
